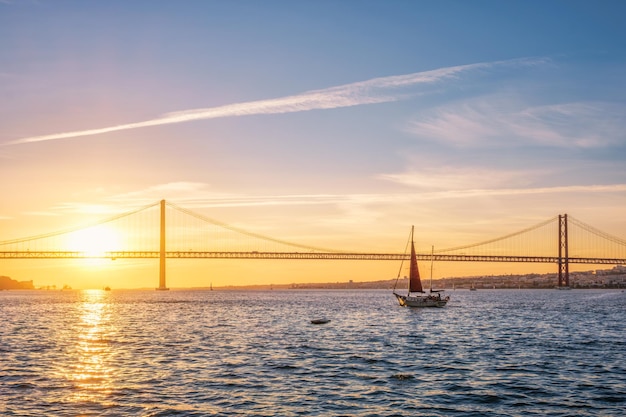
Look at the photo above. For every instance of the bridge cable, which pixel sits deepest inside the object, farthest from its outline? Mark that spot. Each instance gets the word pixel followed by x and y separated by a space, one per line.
pixel 597 232
pixel 76 228
pixel 529 229
pixel 247 233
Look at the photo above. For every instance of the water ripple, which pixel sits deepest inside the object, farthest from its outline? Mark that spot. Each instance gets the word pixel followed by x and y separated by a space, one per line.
pixel 186 353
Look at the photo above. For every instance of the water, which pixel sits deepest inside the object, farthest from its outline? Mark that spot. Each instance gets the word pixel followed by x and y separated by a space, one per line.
pixel 186 353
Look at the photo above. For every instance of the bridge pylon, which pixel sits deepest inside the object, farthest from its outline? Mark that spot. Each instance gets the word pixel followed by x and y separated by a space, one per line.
pixel 563 253
pixel 162 286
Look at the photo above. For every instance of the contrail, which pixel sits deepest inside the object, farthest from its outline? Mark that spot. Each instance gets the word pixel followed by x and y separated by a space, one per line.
pixel 376 90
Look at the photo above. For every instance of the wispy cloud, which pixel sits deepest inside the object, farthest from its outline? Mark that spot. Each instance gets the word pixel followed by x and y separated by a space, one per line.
pixel 496 119
pixel 457 188
pixel 348 214
pixel 376 90
pixel 589 189
pixel 200 195
pixel 445 177
pixel 41 213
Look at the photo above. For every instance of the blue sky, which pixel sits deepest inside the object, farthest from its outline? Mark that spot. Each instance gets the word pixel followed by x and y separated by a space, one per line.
pixel 339 123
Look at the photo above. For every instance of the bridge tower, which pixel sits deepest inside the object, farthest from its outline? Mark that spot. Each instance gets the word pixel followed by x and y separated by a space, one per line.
pixel 563 253
pixel 162 286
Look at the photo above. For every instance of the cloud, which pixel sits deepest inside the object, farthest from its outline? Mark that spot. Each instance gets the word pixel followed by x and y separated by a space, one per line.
pixel 200 195
pixel 178 187
pixel 77 208
pixel 444 181
pixel 362 202
pixel 349 213
pixel 456 194
pixel 431 186
pixel 376 90
pixel 498 119
pixel 579 124
pixel 458 178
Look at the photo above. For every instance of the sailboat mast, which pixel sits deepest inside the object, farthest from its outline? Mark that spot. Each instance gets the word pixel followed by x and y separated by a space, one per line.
pixel 432 254
pixel 411 273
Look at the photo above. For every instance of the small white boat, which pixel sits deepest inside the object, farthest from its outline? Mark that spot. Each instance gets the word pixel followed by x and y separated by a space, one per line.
pixel 433 299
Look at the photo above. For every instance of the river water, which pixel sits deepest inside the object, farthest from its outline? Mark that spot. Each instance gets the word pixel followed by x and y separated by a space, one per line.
pixel 202 353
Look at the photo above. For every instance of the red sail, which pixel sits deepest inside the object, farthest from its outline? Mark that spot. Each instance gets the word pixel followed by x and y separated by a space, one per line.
pixel 415 284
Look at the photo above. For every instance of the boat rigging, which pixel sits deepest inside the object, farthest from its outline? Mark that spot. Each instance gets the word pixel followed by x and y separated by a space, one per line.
pixel 433 299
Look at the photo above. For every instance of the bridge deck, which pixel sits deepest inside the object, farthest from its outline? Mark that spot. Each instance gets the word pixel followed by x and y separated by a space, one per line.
pixel 303 256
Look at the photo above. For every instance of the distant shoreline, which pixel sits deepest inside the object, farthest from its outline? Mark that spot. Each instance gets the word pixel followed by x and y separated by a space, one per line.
pixel 614 278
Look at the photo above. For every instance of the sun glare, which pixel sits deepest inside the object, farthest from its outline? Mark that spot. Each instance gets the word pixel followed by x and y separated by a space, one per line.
pixel 89 370
pixel 94 241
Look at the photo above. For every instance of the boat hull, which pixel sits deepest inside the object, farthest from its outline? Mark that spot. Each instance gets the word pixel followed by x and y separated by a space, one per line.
pixel 421 301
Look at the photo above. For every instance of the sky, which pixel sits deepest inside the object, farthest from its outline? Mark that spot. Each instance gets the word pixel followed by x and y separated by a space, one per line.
pixel 328 123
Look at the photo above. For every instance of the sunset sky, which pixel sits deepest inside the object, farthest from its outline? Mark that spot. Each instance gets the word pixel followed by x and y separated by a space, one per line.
pixel 328 123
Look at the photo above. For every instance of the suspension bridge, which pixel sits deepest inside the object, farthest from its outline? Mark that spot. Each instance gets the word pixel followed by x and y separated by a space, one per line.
pixel 164 230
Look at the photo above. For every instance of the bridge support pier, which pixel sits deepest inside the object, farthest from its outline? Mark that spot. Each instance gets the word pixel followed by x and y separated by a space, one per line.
pixel 563 253
pixel 162 286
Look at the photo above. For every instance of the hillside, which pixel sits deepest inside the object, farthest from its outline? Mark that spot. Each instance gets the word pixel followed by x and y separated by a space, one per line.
pixel 6 283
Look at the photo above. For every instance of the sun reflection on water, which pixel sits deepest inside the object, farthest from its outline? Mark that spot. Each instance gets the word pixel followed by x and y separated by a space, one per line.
pixel 90 371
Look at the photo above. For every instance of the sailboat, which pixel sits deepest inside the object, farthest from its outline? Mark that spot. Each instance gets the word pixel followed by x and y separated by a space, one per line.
pixel 433 299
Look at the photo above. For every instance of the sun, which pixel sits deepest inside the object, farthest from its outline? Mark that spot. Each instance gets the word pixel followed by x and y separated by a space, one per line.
pixel 94 242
